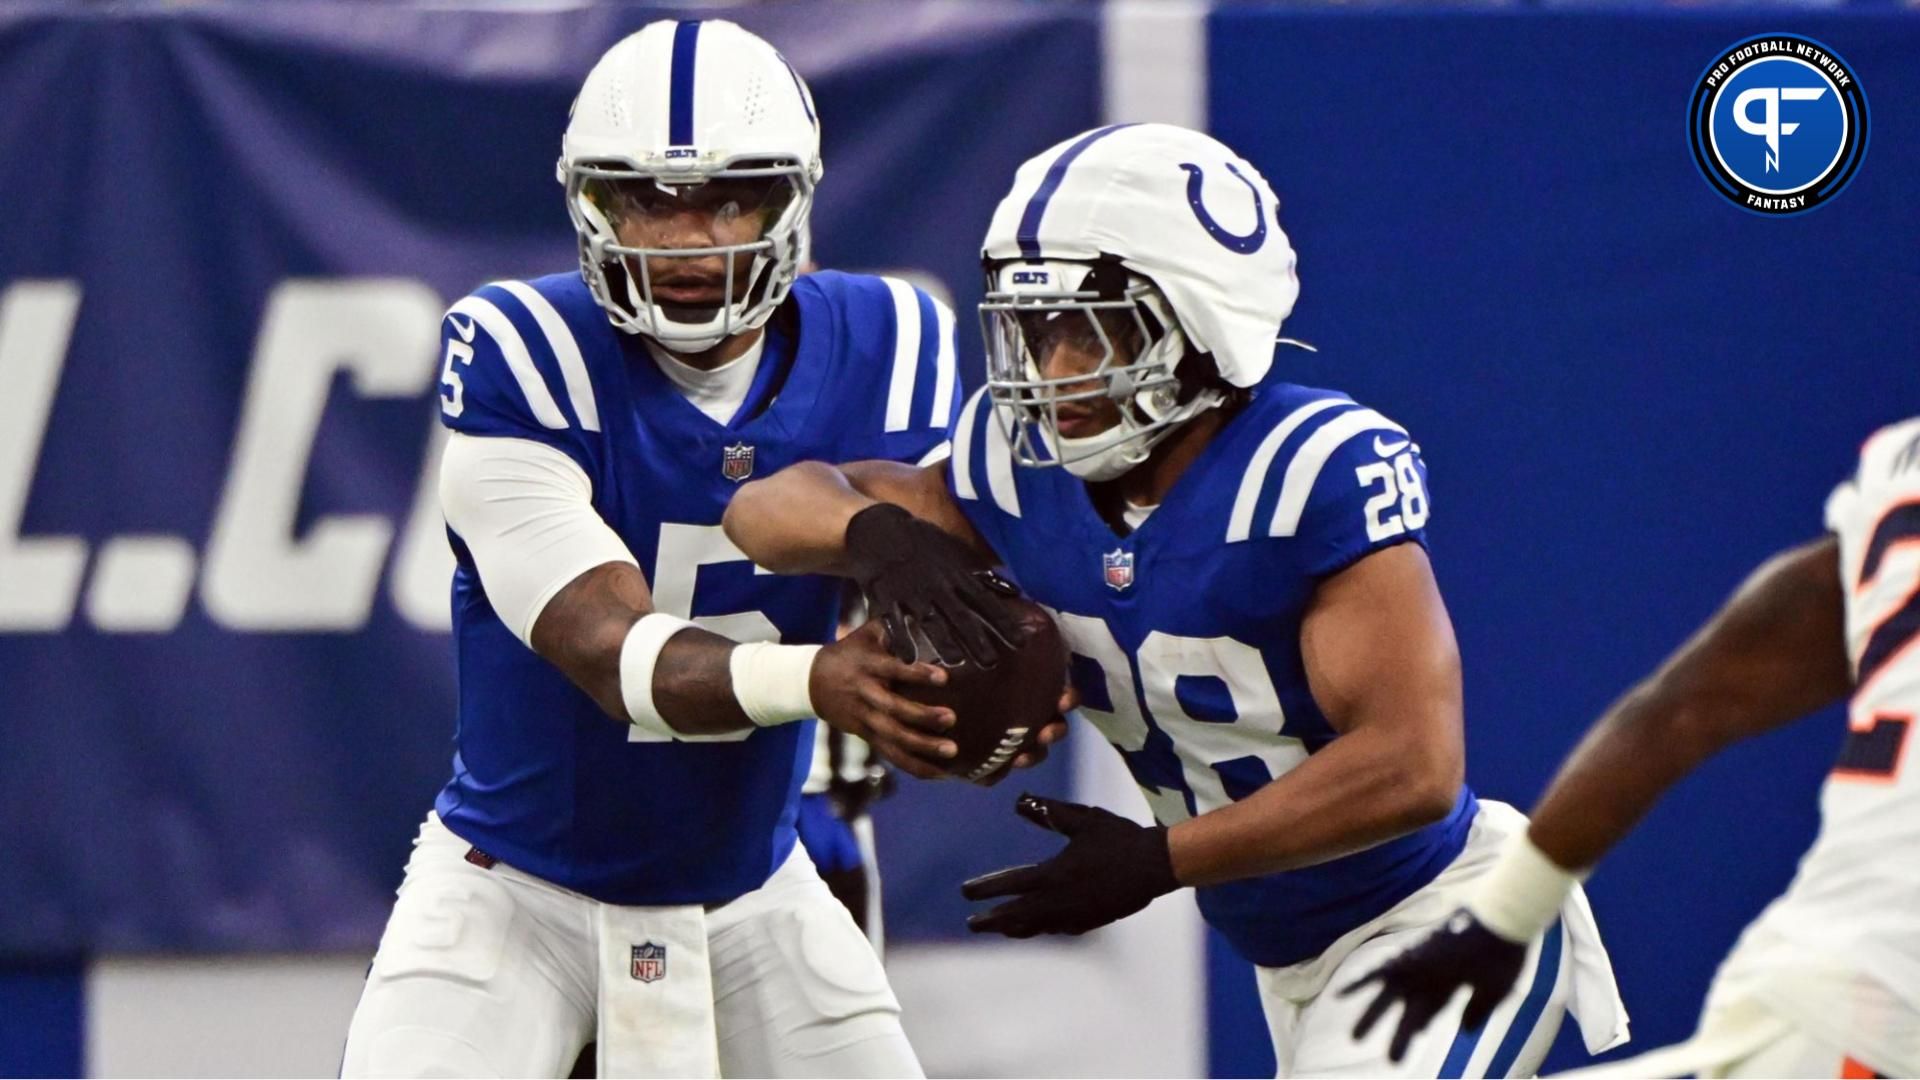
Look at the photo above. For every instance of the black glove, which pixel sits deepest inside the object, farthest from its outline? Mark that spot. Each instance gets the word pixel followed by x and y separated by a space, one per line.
pixel 917 577
pixel 1109 869
pixel 1460 953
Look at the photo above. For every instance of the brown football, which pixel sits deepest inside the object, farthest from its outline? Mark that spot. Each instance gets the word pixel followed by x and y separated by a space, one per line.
pixel 1000 710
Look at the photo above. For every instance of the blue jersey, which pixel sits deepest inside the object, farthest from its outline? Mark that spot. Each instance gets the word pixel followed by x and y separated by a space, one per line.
pixel 1185 634
pixel 855 367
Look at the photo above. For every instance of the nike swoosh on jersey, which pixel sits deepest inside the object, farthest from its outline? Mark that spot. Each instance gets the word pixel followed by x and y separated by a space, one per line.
pixel 463 327
pixel 1386 449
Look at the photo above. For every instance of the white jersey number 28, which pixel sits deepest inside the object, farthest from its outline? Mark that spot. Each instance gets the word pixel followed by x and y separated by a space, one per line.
pixel 1201 745
pixel 1400 488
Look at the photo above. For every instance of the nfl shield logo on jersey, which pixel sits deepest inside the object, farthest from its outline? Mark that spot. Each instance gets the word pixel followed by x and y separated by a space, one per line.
pixel 736 462
pixel 1119 567
pixel 650 961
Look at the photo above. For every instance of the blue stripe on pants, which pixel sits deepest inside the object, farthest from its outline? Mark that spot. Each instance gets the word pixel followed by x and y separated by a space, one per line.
pixel 1464 1044
pixel 1521 1029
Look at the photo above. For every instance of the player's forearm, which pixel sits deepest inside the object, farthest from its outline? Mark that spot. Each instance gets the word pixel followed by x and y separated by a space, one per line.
pixel 1646 743
pixel 795 521
pixel 1775 652
pixel 588 631
pixel 1365 788
pixel 693 685
pixel 581 630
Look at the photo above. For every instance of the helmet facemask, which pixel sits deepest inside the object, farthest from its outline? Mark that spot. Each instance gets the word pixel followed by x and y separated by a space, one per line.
pixel 1120 317
pixel 603 195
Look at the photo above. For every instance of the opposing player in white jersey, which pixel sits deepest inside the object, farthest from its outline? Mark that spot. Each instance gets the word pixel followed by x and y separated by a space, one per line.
pixel 614 859
pixel 1826 982
pixel 1238 566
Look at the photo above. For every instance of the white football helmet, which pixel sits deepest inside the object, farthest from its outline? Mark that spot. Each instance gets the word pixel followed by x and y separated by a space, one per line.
pixel 1143 240
pixel 670 109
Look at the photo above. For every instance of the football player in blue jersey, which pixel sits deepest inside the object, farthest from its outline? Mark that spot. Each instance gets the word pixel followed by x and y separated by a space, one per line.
pixel 1239 567
pixel 614 858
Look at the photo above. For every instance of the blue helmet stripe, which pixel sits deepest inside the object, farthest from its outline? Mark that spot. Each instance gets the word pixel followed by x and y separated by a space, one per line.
pixel 1029 234
pixel 680 85
pixel 801 90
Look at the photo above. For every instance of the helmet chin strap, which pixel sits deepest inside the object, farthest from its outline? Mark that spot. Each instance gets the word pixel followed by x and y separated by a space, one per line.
pixel 1106 456
pixel 662 327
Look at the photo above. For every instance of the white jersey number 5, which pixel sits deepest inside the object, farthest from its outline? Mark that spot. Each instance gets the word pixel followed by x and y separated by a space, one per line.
pixel 684 549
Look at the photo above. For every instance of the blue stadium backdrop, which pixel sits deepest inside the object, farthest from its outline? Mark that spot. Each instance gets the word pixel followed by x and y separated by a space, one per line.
pixel 225 693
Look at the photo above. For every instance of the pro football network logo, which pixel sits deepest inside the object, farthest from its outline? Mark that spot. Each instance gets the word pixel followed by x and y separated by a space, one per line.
pixel 1779 124
pixel 649 962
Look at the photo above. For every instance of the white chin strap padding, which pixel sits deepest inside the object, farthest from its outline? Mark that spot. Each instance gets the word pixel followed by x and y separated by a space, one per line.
pixel 695 338
pixel 1110 454
pixel 1105 456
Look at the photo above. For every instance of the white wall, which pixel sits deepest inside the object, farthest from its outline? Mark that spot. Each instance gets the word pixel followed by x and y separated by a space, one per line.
pixel 228 1016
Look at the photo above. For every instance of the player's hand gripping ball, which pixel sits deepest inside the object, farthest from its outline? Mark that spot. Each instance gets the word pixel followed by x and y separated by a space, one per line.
pixel 1000 710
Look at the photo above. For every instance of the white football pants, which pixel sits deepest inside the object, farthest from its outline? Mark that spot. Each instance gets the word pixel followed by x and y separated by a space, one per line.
pixel 1778 1047
pixel 1312 1025
pixel 1742 1036
pixel 494 972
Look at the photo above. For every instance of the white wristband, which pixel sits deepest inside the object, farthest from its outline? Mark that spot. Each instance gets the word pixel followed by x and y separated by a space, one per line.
pixel 638 654
pixel 1521 895
pixel 771 682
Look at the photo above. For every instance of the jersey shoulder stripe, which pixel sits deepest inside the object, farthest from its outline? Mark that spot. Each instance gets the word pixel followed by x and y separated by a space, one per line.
pixel 963 485
pixel 943 374
pixel 981 454
pixel 476 310
pixel 1304 469
pixel 906 353
pixel 999 464
pixel 1254 480
pixel 896 341
pixel 564 347
pixel 920 383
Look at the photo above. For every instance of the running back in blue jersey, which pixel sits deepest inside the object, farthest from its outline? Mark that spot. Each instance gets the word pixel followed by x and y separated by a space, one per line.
pixel 1185 634
pixel 855 367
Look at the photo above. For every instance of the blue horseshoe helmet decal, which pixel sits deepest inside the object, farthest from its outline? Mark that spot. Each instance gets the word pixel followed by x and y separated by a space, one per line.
pixel 1244 245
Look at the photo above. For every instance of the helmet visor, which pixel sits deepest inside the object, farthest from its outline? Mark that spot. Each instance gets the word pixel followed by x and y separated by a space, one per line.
pixel 641 203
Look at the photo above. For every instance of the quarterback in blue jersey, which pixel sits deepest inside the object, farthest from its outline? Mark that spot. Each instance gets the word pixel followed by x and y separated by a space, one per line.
pixel 1239 567
pixel 614 860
